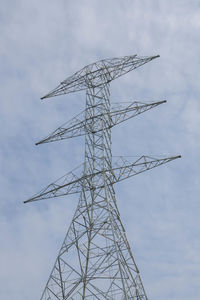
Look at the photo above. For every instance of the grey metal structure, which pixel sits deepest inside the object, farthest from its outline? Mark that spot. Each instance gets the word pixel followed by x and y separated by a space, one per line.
pixel 95 260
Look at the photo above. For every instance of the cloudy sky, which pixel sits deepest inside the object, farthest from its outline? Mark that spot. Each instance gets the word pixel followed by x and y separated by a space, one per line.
pixel 42 43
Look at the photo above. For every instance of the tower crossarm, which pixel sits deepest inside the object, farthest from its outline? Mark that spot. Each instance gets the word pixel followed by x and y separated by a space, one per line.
pixel 122 169
pixel 70 183
pixel 99 73
pixel 120 114
pixel 79 126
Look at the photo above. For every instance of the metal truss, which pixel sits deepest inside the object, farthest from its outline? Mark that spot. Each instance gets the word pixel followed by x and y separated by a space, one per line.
pixel 78 125
pixel 91 75
pixel 72 183
pixel 95 260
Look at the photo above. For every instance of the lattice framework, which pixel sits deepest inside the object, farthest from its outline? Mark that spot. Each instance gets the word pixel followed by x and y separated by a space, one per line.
pixel 95 260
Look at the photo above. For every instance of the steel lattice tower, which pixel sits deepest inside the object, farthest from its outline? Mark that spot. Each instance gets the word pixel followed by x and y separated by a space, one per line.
pixel 95 260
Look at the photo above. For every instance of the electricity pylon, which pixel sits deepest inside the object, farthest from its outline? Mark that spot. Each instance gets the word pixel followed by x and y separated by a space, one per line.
pixel 95 260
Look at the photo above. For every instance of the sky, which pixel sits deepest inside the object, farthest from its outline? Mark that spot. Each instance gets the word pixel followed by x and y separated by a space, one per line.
pixel 44 42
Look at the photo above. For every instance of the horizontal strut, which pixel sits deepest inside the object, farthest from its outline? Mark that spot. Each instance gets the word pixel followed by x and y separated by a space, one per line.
pixel 71 183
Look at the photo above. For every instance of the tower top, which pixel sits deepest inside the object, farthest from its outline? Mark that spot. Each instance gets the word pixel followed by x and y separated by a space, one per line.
pixel 99 73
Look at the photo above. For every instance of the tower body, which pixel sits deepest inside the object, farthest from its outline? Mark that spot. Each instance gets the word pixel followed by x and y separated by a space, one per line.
pixel 95 261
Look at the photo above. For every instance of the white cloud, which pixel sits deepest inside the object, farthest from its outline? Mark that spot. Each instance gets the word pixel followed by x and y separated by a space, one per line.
pixel 43 43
